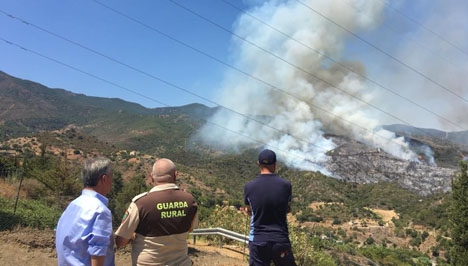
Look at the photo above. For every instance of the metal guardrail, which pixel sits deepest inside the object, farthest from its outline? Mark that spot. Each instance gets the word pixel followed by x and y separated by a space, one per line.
pixel 221 232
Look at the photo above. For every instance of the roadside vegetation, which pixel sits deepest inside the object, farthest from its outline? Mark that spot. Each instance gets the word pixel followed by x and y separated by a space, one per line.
pixel 332 223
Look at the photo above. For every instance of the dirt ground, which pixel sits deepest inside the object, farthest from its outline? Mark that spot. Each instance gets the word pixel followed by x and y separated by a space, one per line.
pixel 37 248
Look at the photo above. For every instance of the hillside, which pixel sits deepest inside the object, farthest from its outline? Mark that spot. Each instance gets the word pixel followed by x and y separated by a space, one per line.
pixel 27 107
pixel 372 197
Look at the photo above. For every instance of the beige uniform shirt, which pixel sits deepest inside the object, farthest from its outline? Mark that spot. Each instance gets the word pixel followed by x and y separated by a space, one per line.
pixel 161 220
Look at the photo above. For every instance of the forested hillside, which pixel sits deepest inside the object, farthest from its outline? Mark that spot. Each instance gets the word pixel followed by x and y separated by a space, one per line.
pixel 45 134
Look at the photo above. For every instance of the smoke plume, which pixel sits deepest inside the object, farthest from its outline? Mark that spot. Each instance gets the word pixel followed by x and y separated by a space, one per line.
pixel 299 87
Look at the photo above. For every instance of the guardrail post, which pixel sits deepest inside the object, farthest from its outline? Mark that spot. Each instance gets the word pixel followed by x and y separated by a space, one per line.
pixel 220 241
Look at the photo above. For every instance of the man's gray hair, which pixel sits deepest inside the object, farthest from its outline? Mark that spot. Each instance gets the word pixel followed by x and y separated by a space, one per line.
pixel 94 169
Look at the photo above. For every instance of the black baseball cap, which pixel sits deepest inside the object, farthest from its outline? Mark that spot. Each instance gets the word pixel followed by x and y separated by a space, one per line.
pixel 267 157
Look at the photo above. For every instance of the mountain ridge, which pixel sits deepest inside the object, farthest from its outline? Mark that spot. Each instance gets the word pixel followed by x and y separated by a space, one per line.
pixel 69 128
pixel 28 107
pixel 24 100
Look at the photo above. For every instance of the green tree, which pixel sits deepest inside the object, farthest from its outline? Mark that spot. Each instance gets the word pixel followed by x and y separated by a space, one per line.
pixel 57 176
pixel 122 194
pixel 459 218
pixel 117 208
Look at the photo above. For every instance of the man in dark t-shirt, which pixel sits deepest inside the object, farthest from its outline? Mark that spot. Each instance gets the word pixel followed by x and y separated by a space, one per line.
pixel 268 199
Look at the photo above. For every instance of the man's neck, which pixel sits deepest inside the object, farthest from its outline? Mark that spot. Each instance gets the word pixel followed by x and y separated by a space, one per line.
pixel 265 171
pixel 162 183
pixel 95 189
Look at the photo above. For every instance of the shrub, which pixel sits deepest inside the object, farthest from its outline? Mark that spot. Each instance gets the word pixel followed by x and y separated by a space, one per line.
pixel 384 256
pixel 29 213
pixel 369 241
pixel 307 250
pixel 336 221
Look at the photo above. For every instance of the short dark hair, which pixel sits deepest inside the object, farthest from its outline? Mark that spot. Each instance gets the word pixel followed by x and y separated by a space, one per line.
pixel 94 169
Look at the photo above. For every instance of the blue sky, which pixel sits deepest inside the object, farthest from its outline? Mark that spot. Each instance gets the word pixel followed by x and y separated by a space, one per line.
pixel 172 53
pixel 167 50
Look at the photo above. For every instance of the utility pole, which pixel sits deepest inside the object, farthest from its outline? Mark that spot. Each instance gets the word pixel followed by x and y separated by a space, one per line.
pixel 19 188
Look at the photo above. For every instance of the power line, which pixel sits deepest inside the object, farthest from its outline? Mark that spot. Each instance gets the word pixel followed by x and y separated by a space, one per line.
pixel 419 24
pixel 154 77
pixel 395 29
pixel 152 99
pixel 344 66
pixel 325 81
pixel 248 74
pixel 291 64
pixel 181 88
pixel 384 52
pixel 328 83
pixel 164 104
pixel 142 72
pixel 78 70
pixel 414 103
pixel 228 65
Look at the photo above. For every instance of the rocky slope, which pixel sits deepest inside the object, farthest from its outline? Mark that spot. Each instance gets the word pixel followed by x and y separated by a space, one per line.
pixel 353 161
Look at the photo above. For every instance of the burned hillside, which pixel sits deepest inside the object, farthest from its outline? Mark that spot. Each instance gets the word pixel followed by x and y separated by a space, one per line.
pixel 353 161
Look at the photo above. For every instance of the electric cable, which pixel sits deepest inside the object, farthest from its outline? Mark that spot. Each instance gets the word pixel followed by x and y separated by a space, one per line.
pixel 346 67
pixel 262 143
pixel 419 24
pixel 179 87
pixel 385 53
pixel 271 86
pixel 144 72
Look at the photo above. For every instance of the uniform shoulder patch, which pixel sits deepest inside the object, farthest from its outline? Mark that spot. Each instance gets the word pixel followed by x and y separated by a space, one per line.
pixel 139 196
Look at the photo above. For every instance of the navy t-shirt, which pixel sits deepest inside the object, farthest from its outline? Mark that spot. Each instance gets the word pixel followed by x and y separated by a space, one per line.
pixel 268 196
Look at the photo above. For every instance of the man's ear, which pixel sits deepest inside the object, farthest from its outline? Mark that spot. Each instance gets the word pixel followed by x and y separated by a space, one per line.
pixel 105 178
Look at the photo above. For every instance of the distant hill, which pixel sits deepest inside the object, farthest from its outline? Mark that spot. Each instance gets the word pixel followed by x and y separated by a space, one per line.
pixel 26 101
pixel 27 107
pixel 448 147
pixel 458 138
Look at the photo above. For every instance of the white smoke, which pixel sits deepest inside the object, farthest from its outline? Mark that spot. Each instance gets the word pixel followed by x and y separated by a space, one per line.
pixel 434 50
pixel 295 93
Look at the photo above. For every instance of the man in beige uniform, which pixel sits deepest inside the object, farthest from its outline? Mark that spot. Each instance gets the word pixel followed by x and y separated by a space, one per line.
pixel 158 222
